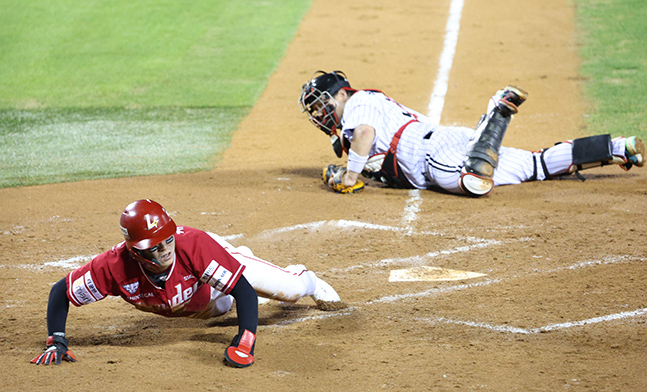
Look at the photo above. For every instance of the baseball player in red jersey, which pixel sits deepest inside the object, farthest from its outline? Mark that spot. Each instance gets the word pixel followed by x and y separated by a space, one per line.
pixel 388 142
pixel 178 271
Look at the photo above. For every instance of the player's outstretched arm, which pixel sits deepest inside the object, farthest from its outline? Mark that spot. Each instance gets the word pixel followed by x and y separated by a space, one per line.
pixel 57 309
pixel 241 351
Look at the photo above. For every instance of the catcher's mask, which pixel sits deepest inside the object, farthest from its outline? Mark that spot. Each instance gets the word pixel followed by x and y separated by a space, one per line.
pixel 317 99
pixel 144 224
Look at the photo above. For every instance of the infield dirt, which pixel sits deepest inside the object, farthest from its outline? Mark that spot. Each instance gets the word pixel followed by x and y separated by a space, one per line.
pixel 562 305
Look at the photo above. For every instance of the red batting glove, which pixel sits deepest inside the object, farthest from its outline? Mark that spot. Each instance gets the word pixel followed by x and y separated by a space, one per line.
pixel 55 352
pixel 241 355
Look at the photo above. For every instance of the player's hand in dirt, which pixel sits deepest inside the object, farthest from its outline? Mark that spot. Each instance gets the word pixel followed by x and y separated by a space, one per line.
pixel 55 352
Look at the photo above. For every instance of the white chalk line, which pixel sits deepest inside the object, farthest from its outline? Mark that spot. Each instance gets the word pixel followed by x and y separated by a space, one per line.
pixel 446 61
pixel 546 328
pixel 439 92
pixel 77 261
pixel 321 316
pixel 338 224
pixel 421 259
pixel 432 292
pixel 71 263
pixel 449 289
pixel 511 329
pixel 411 210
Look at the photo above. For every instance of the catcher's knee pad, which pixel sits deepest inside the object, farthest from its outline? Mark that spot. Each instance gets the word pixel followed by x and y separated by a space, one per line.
pixel 482 153
pixel 475 185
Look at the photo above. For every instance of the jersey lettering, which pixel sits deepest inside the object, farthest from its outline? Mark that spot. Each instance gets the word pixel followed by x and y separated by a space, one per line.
pixel 182 296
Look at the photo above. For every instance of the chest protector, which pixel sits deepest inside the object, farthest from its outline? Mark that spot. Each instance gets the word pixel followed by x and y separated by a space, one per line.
pixel 390 173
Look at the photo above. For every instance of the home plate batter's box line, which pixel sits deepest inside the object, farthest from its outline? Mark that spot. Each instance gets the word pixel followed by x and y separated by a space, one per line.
pixel 419 260
pixel 340 224
pixel 547 328
pixel 449 289
pixel 498 328
pixel 511 329
pixel 320 316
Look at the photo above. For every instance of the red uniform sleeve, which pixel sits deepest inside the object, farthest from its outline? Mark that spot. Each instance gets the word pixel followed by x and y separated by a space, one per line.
pixel 93 281
pixel 214 265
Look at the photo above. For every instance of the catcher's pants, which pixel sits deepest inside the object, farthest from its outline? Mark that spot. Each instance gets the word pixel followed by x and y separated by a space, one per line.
pixel 445 152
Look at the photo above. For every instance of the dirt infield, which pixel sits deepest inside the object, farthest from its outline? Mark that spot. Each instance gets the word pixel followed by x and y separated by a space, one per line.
pixel 561 306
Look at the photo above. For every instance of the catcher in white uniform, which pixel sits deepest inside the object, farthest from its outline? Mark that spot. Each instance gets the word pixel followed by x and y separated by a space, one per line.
pixel 388 142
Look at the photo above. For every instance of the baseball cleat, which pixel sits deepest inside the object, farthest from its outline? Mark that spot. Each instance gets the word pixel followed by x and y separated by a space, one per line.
pixel 635 151
pixel 510 98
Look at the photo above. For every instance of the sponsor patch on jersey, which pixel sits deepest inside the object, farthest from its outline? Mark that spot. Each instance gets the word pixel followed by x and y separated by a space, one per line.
pixel 216 276
pixel 85 290
pixel 131 288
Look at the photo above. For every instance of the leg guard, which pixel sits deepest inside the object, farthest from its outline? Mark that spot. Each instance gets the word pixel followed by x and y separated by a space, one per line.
pixel 592 151
pixel 585 153
pixel 482 154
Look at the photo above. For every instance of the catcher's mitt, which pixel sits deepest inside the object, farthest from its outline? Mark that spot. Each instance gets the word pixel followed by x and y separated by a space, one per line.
pixel 336 172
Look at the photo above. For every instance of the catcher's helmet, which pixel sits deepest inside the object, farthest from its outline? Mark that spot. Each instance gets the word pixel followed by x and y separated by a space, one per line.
pixel 316 99
pixel 144 224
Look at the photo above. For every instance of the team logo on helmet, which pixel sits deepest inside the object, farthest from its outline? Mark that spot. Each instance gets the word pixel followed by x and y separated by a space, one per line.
pixel 144 224
pixel 150 224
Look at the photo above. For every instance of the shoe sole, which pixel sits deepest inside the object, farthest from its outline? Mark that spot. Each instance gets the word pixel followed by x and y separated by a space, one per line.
pixel 511 103
pixel 521 94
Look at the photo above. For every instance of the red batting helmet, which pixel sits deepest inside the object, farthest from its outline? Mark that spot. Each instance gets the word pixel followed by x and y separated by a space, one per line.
pixel 145 223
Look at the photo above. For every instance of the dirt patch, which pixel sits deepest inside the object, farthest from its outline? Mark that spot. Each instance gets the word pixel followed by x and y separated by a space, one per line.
pixel 561 305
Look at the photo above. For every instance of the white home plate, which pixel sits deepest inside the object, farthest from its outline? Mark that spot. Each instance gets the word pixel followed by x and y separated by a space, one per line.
pixel 419 274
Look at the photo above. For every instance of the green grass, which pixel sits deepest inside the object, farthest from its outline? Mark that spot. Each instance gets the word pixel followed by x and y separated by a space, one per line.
pixel 97 88
pixel 614 38
pixel 57 145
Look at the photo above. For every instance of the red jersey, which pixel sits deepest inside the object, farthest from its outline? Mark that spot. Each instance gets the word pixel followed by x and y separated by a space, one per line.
pixel 199 259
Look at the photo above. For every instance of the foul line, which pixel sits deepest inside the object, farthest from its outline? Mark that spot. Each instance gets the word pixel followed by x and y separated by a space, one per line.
pixel 437 99
pixel 446 61
pixel 411 210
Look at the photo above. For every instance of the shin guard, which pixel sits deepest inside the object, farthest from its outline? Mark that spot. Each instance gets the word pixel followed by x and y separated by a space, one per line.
pixel 482 154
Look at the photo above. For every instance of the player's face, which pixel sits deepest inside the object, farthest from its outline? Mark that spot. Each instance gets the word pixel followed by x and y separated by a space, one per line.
pixel 340 100
pixel 164 253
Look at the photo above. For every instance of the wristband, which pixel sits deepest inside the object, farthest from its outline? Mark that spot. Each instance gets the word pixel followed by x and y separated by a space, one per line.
pixel 356 162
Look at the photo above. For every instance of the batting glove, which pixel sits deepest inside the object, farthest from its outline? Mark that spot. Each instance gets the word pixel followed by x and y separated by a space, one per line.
pixel 55 352
pixel 240 354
